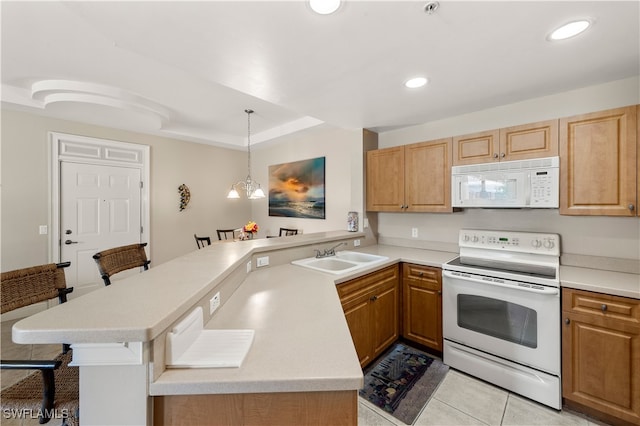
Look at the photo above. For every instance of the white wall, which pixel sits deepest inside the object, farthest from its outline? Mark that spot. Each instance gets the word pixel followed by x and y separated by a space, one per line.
pixel 343 176
pixel 208 172
pixel 593 236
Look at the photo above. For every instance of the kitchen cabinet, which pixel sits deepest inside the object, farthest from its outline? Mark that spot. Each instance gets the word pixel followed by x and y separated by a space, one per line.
pixel 599 162
pixel 422 305
pixel 533 140
pixel 410 178
pixel 601 355
pixel 371 306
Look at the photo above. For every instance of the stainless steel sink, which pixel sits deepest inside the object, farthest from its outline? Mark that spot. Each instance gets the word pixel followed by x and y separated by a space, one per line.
pixel 342 262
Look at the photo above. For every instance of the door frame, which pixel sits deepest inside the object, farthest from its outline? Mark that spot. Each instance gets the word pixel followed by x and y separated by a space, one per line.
pixel 98 151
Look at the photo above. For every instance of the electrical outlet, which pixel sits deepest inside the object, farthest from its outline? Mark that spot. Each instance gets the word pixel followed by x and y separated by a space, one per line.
pixel 414 232
pixel 248 267
pixel 262 261
pixel 214 303
pixel 356 243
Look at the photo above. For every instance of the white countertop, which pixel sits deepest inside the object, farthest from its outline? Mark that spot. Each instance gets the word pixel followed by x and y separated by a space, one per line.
pixel 302 341
pixel 599 281
pixel 140 307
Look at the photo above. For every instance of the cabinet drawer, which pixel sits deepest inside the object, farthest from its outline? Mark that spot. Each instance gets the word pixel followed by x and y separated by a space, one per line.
pixel 601 305
pixel 359 286
pixel 422 276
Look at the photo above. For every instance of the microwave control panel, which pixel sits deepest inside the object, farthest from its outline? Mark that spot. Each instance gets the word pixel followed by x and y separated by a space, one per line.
pixel 544 188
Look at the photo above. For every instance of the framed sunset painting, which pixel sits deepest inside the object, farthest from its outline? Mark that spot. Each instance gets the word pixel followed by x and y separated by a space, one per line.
pixel 296 189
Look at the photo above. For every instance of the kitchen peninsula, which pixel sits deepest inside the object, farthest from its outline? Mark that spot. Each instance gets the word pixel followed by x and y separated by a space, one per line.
pixel 302 356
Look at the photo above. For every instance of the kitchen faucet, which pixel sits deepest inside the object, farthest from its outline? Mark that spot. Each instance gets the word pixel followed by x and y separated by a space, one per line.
pixel 328 252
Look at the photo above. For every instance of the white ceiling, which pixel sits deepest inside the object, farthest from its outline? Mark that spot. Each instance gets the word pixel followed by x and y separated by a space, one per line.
pixel 188 70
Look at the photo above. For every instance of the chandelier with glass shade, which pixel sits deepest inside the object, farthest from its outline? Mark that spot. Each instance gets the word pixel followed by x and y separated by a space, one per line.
pixel 251 187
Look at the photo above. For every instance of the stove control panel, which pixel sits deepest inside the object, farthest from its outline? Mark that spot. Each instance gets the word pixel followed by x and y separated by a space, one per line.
pixel 527 242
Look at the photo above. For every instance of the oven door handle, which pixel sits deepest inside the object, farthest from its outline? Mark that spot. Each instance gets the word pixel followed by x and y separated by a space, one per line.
pixel 544 290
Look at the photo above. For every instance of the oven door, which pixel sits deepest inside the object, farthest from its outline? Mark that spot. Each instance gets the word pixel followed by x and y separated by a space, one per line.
pixel 509 319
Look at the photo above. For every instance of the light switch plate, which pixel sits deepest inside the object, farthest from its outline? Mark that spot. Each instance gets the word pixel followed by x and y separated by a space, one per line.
pixel 262 261
pixel 414 232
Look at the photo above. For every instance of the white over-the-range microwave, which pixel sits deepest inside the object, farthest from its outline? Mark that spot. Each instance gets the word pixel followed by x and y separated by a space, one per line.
pixel 531 183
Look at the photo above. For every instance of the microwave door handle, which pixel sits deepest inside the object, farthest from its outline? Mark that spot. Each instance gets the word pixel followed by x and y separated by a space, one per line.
pixel 528 190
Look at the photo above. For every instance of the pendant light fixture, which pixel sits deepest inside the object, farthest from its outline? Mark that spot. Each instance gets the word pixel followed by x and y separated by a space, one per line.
pixel 251 187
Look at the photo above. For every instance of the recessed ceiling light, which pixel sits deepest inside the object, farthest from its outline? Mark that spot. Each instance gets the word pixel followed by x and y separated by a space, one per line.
pixel 416 82
pixel 570 30
pixel 324 7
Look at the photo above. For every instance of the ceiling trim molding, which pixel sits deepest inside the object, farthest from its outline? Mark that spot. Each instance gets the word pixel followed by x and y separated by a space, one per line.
pixel 52 91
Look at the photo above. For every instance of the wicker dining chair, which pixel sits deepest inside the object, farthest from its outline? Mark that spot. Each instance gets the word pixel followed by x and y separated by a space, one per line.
pixel 200 241
pixel 120 259
pixel 51 389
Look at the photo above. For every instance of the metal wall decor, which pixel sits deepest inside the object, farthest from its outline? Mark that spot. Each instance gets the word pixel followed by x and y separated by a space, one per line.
pixel 185 196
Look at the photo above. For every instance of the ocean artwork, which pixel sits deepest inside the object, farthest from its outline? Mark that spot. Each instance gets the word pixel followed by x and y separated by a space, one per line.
pixel 296 189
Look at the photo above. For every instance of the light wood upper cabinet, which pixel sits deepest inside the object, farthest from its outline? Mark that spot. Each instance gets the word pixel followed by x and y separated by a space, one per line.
pixel 412 178
pixel 476 148
pixel 533 140
pixel 385 179
pixel 598 163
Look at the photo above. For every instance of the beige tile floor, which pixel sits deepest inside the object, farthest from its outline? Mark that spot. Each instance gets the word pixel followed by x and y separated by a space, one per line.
pixel 463 400
pixel 459 400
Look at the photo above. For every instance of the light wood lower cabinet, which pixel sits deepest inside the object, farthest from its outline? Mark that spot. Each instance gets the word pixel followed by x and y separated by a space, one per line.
pixel 601 355
pixel 371 306
pixel 422 305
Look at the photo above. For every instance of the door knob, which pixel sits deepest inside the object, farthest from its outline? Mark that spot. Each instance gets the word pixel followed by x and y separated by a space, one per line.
pixel 67 242
pixel 68 231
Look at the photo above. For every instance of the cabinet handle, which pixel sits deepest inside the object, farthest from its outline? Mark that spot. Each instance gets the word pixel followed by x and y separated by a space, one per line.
pixel 567 321
pixel 439 292
pixel 495 155
pixel 502 155
pixel 373 298
pixel 420 274
pixel 631 207
pixel 604 308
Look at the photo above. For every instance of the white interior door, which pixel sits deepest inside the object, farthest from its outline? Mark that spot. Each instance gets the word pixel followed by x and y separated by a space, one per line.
pixel 100 208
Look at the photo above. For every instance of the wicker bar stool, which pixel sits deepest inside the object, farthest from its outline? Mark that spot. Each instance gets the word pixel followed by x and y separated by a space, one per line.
pixel 51 390
pixel 120 259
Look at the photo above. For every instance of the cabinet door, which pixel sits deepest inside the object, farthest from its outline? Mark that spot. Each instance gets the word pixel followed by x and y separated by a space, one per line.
pixel 422 305
pixel 358 315
pixel 428 176
pixel 598 155
pixel 385 179
pixel 601 353
pixel 385 302
pixel 371 307
pixel 534 140
pixel 476 148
